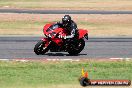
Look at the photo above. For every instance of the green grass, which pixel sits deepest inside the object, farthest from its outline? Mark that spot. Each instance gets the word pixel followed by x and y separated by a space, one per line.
pixel 105 25
pixel 20 24
pixel 29 27
pixel 39 24
pixel 33 74
pixel 21 27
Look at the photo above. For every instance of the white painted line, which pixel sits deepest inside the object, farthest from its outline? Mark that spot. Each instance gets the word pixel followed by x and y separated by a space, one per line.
pixel 71 60
pixel 116 58
pixel 4 59
pixel 52 59
pixel 22 60
pixel 127 59
pixel 66 59
pixel 62 59
pixel 76 60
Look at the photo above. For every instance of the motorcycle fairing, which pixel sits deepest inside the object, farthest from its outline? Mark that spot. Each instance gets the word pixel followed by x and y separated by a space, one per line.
pixel 58 41
pixel 83 33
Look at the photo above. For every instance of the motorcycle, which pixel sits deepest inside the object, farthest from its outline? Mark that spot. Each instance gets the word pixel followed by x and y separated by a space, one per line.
pixel 55 41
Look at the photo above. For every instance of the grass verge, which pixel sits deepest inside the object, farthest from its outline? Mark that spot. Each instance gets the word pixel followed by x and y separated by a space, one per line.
pixel 45 74
pixel 68 4
pixel 36 28
pixel 98 25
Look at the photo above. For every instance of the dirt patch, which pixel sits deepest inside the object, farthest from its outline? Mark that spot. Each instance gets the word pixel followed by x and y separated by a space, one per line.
pixel 116 18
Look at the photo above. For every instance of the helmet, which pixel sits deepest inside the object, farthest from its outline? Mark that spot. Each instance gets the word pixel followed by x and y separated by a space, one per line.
pixel 66 20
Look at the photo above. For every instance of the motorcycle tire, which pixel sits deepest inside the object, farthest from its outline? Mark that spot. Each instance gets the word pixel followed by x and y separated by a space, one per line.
pixel 84 81
pixel 39 48
pixel 77 51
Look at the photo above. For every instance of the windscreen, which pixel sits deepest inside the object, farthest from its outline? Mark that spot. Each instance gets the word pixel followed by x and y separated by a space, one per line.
pixel 52 27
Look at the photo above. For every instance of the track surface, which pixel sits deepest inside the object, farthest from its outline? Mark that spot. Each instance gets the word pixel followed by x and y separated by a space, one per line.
pixel 62 11
pixel 22 47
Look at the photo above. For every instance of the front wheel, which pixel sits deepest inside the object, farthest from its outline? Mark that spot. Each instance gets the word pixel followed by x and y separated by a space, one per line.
pixel 76 49
pixel 40 48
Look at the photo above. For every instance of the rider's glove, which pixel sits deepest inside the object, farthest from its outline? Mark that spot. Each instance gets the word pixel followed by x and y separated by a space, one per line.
pixel 64 37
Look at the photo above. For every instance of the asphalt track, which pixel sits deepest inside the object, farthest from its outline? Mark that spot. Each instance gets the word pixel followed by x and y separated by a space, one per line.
pixel 62 11
pixel 22 47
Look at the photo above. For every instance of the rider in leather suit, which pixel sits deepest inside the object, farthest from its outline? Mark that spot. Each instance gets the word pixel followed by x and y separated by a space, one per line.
pixel 70 26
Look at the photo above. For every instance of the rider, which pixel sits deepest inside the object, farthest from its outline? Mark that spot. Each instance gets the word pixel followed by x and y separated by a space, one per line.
pixel 70 26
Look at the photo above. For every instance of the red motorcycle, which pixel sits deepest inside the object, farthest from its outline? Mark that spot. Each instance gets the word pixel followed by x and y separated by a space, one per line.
pixel 55 41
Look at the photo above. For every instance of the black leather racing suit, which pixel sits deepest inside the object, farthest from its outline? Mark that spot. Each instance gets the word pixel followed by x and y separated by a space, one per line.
pixel 71 29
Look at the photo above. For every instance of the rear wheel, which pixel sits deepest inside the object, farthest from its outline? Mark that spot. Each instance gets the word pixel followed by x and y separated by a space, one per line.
pixel 76 49
pixel 40 48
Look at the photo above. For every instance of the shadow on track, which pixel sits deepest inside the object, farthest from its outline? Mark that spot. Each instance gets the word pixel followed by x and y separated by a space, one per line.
pixel 62 54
